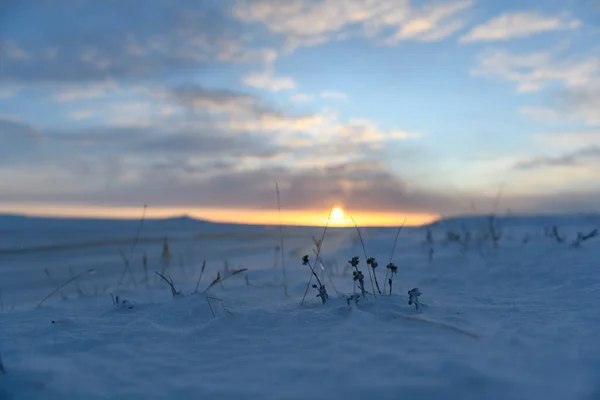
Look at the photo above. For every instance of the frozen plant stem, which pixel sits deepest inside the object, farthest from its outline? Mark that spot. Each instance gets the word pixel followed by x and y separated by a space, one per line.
pixel 285 287
pixel 165 256
pixel 145 264
pixel 50 278
pixel 89 271
pixel 393 269
pixel 365 253
pixel 217 280
pixel 305 261
pixel 200 278
pixel 329 277
pixel 135 241
pixel 169 281
pixel 321 288
pixel 393 251
pixel 371 262
pixel 396 239
pixel 320 244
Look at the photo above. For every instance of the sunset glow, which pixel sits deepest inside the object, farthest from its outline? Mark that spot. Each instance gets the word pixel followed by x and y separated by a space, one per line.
pixel 337 215
pixel 243 216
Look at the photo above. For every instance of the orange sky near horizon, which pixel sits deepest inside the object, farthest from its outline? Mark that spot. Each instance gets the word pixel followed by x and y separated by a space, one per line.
pixel 243 216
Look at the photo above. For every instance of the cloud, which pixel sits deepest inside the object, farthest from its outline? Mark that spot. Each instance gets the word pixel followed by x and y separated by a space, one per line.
pixel 308 23
pixel 583 103
pixel 301 97
pixel 18 140
pixel 80 114
pixel 533 72
pixel 84 92
pixel 241 112
pixel 365 131
pixel 11 50
pixel 8 92
pixel 570 159
pixel 112 42
pixel 568 140
pixel 578 104
pixel 325 94
pixel 520 24
pixel 541 113
pixel 227 152
pixel 267 81
pixel 432 23
pixel 333 95
pixel 358 186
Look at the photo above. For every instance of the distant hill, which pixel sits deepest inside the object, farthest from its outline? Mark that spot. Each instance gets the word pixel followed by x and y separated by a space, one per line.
pixel 519 220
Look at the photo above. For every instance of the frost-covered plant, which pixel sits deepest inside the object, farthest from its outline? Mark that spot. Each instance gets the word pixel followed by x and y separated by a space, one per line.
pixel 393 269
pixel 321 288
pixel 582 237
pixel 357 275
pixel 371 261
pixel 354 298
pixel 413 297
pixel 360 278
pixel 322 293
pixel 452 237
pixel 121 303
pixel 362 243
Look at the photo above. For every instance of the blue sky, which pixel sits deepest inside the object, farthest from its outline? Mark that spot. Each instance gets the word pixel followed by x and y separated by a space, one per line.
pixel 377 105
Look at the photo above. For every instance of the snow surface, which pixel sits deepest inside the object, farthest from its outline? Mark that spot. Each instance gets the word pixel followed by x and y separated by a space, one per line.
pixel 517 322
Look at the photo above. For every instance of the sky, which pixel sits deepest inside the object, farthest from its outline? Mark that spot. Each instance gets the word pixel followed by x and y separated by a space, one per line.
pixel 386 108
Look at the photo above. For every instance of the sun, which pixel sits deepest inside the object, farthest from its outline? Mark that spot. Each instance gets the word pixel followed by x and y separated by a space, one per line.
pixel 337 214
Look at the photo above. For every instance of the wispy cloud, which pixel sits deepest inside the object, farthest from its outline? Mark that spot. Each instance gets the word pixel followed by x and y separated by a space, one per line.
pixel 11 50
pixel 8 92
pixel 302 97
pixel 432 23
pixel 188 36
pixel 84 92
pixel 268 81
pixel 569 159
pixel 80 114
pixel 325 94
pixel 365 131
pixel 568 140
pixel 534 71
pixel 521 24
pixel 310 23
pixel 578 104
pixel 334 95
